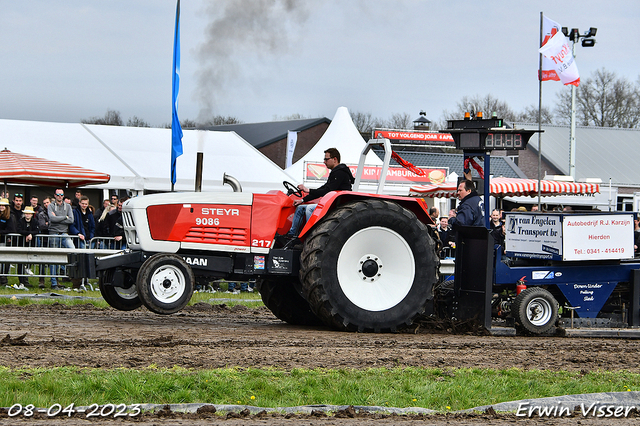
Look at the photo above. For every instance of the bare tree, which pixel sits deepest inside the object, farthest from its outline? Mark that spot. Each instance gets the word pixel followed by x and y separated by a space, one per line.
pixel 365 122
pixel 486 104
pixel 219 120
pixel 400 121
pixel 187 124
pixel 362 120
pixel 530 115
pixel 111 118
pixel 135 121
pixel 602 100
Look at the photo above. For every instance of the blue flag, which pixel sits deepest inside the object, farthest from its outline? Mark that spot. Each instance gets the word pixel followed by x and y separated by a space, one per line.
pixel 176 130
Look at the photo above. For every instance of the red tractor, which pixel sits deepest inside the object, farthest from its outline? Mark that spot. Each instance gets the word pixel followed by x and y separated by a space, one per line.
pixel 367 261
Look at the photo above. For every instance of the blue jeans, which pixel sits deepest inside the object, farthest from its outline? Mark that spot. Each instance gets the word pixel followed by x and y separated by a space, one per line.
pixel 118 245
pixel 58 241
pixel 300 218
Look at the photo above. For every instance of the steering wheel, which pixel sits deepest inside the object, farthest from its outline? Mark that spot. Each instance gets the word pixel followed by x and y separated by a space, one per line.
pixel 292 189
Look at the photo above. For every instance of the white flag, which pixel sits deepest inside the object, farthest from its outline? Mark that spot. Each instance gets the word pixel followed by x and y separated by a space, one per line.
pixel 557 49
pixel 549 29
pixel 292 139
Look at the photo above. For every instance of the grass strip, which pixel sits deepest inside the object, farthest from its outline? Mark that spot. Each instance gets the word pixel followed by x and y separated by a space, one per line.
pixel 251 300
pixel 440 389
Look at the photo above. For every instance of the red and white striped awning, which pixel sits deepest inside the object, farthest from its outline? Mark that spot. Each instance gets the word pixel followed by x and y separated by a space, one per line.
pixel 510 187
pixel 29 170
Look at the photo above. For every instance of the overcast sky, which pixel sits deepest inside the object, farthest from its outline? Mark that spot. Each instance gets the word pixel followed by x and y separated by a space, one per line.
pixel 257 59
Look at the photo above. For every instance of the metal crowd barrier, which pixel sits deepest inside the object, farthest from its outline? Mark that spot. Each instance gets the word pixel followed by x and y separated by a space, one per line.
pixel 19 258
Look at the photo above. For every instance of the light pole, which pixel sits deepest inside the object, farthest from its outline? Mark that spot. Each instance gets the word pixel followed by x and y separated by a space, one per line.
pixel 588 40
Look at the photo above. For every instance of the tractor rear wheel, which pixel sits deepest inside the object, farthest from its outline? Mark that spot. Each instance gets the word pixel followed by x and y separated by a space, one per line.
pixel 535 310
pixel 165 283
pixel 370 265
pixel 284 301
pixel 122 299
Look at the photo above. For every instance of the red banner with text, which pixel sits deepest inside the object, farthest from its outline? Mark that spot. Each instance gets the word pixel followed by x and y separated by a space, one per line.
pixel 395 175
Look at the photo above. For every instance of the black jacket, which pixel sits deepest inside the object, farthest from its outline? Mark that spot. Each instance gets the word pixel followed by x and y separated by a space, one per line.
pixel 25 228
pixel 340 179
pixel 114 223
pixel 9 226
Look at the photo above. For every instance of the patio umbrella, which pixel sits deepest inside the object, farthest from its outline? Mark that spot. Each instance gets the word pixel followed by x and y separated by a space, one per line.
pixel 28 170
pixel 510 187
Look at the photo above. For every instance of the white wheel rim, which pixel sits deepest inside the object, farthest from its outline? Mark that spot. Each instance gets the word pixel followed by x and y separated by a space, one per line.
pixel 126 293
pixel 389 256
pixel 167 283
pixel 539 311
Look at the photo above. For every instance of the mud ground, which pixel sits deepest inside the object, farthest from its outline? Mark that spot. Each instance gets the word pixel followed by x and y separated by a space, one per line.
pixel 206 336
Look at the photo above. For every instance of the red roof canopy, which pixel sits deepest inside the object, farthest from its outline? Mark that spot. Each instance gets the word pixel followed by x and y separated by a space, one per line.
pixel 510 187
pixel 28 170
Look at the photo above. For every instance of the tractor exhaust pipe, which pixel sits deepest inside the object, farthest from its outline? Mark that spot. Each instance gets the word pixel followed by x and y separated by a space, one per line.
pixel 232 182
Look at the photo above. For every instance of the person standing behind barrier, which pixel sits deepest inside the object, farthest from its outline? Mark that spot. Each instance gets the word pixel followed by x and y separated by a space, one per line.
pixel 76 200
pixel 116 227
pixel 7 226
pixel 83 223
pixel 16 212
pixel 28 228
pixel 84 227
pixel 102 228
pixel 43 225
pixel 102 208
pixel 60 217
pixel 17 207
pixel 37 208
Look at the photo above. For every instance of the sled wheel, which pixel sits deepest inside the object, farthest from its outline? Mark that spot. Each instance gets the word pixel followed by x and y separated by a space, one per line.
pixel 165 283
pixel 122 299
pixel 284 301
pixel 369 266
pixel 536 310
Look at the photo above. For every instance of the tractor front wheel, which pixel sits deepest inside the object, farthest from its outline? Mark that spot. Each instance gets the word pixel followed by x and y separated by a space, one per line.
pixel 165 283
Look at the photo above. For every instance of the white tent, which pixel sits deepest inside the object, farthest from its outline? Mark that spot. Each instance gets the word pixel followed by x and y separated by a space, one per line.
pixel 139 158
pixel 341 134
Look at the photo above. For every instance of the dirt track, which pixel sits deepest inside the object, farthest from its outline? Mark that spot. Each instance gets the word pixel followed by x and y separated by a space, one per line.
pixel 203 336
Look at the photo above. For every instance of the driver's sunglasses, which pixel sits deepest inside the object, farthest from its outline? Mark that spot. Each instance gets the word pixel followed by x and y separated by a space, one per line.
pixel 327 159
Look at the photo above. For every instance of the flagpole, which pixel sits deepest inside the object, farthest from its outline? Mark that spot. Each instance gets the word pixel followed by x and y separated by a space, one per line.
pixel 176 130
pixel 540 115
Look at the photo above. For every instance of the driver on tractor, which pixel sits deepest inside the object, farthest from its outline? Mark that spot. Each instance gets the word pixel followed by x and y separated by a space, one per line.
pixel 340 179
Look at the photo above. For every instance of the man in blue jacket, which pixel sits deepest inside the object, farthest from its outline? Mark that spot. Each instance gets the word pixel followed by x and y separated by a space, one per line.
pixel 471 208
pixel 83 223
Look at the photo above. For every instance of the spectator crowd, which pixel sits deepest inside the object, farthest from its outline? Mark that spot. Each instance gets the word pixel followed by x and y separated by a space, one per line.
pixel 58 221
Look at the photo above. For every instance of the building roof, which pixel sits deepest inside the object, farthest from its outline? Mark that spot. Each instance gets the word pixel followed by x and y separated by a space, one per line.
pixel 500 165
pixel 601 152
pixel 268 132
